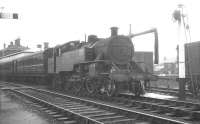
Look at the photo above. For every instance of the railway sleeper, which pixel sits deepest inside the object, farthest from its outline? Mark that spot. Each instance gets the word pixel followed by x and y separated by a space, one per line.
pixel 180 113
pixel 149 109
pixel 144 105
pixel 137 106
pixel 52 113
pixel 133 105
pixel 70 122
pixel 90 112
pixel 187 118
pixel 70 103
pixel 38 106
pixel 121 100
pixel 81 108
pixel 73 106
pixel 124 103
pixel 148 106
pixel 62 118
pixel 93 113
pixel 159 111
pixel 190 108
pixel 172 114
pixel 154 104
pixel 128 105
pixel 153 108
pixel 78 111
pixel 166 109
pixel 58 115
pixel 174 104
pixel 195 115
pixel 110 118
pixel 102 115
pixel 195 108
pixel 184 107
pixel 48 111
pixel 121 121
pixel 44 108
pixel 163 103
pixel 61 102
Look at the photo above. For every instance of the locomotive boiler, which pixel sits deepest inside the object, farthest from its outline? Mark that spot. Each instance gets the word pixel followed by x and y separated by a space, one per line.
pixel 118 49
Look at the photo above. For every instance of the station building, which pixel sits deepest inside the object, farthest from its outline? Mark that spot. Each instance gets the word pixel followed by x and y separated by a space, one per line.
pixel 12 48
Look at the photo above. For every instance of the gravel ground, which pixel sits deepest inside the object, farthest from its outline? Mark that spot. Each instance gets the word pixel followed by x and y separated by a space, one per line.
pixel 13 111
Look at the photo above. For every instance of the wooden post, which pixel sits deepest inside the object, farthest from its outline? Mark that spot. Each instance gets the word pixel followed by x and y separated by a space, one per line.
pixel 177 48
pixel 182 82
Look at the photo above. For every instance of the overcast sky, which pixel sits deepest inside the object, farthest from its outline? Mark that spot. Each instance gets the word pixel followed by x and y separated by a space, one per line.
pixel 59 21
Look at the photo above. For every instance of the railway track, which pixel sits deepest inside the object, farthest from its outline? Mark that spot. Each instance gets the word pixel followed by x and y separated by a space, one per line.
pixel 126 109
pixel 188 112
pixel 86 111
pixel 184 111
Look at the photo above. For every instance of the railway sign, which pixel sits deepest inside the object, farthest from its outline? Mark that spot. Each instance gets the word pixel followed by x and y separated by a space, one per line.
pixel 8 15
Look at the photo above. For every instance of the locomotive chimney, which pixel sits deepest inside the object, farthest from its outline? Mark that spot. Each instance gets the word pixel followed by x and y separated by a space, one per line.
pixel 17 42
pixel 92 38
pixel 114 31
pixel 11 43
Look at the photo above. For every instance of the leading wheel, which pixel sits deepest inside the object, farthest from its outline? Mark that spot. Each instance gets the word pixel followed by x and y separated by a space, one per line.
pixel 109 87
pixel 138 88
pixel 90 86
pixel 77 86
pixel 57 82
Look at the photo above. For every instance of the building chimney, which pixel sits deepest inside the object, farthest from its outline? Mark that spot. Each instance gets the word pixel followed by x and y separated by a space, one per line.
pixel 4 45
pixel 92 38
pixel 17 42
pixel 46 45
pixel 114 31
pixel 11 43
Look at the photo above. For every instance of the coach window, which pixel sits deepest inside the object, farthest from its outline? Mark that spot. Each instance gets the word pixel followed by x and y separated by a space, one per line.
pixel 58 52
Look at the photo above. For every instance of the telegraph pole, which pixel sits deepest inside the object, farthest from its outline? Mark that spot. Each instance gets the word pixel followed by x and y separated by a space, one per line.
pixel 177 49
pixel 130 32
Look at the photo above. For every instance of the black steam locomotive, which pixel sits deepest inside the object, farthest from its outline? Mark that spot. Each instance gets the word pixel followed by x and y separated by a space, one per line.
pixel 98 66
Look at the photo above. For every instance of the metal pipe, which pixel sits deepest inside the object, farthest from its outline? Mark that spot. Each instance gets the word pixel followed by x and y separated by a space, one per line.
pixel 156 53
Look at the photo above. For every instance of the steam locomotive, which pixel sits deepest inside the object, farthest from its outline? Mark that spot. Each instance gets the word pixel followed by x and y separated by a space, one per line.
pixel 98 66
